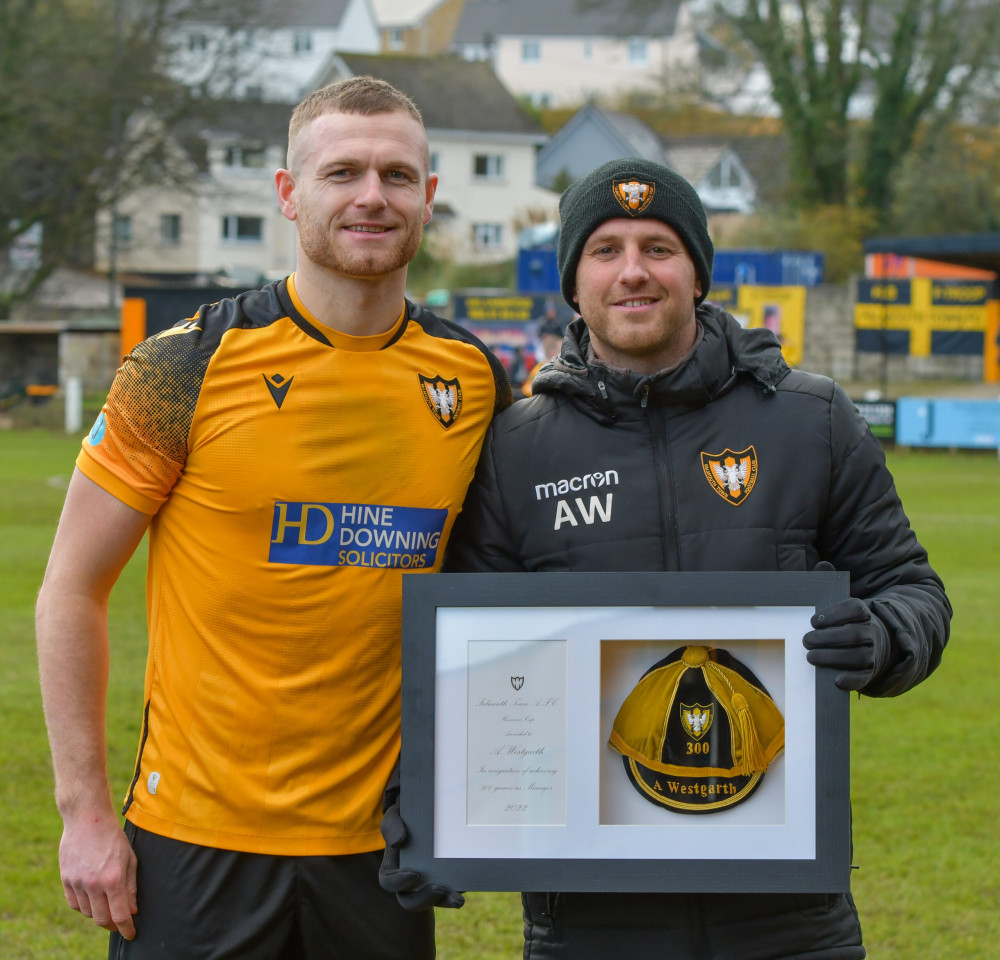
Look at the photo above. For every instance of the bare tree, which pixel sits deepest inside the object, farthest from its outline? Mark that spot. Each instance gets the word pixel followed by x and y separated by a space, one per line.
pixel 87 105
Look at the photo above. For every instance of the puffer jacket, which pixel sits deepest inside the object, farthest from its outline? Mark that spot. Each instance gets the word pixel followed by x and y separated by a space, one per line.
pixel 732 461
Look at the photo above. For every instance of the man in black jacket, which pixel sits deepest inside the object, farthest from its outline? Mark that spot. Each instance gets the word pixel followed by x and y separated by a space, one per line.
pixel 714 455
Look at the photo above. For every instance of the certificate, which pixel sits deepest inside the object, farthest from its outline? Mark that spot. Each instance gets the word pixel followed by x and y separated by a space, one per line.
pixel 666 733
pixel 517 732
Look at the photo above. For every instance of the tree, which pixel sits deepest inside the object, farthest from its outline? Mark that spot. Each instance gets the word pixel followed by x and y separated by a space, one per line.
pixel 901 63
pixel 76 76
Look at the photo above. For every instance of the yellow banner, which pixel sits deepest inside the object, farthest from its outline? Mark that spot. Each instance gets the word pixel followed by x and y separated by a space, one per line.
pixel 781 310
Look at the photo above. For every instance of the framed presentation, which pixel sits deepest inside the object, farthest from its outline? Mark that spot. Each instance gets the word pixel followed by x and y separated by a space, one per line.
pixel 622 731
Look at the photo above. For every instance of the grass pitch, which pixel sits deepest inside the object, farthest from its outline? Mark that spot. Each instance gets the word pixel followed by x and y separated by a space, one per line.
pixel 924 772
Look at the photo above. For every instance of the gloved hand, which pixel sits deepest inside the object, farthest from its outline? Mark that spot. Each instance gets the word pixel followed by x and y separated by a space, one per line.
pixel 847 637
pixel 412 889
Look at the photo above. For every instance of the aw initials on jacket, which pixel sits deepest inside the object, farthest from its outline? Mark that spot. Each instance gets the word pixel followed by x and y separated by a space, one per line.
pixel 597 508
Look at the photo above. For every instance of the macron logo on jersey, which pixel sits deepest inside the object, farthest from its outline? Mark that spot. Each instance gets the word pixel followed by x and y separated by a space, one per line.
pixel 355 535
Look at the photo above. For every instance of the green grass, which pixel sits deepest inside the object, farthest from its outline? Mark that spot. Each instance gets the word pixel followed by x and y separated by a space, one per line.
pixel 924 775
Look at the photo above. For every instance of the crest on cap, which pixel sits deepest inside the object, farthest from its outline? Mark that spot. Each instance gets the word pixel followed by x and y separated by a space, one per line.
pixel 443 397
pixel 731 475
pixel 634 195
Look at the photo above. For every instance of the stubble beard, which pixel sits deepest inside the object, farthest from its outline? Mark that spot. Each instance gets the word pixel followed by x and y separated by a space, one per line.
pixel 318 247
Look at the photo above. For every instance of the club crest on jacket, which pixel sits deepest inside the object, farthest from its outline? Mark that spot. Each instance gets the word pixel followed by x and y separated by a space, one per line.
pixel 731 474
pixel 634 195
pixel 443 397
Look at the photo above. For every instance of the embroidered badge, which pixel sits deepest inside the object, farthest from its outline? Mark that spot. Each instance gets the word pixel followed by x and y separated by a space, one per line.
pixel 731 475
pixel 444 398
pixel 634 195
pixel 696 719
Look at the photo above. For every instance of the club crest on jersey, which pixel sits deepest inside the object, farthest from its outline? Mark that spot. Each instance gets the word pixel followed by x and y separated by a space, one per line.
pixel 634 195
pixel 444 398
pixel 730 474
pixel 696 719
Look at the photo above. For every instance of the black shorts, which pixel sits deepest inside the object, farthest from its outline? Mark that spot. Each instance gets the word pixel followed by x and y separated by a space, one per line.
pixel 199 903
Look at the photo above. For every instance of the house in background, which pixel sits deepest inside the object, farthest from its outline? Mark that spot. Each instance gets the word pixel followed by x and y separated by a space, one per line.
pixel 561 53
pixel 483 145
pixel 270 50
pixel 224 222
pixel 420 27
pixel 593 136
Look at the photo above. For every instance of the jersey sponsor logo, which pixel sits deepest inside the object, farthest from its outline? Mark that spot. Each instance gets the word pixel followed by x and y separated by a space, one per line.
pixel 355 535
pixel 730 474
pixel 443 398
pixel 696 719
pixel 278 387
pixel 96 434
pixel 634 195
pixel 557 488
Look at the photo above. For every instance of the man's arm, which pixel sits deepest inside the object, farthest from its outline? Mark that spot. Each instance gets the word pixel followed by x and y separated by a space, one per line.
pixel 907 615
pixel 97 535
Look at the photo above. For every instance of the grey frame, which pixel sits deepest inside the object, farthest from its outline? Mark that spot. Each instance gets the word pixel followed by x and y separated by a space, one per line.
pixel 423 595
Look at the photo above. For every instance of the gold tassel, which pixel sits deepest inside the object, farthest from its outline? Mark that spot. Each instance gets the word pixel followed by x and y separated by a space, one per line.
pixel 753 760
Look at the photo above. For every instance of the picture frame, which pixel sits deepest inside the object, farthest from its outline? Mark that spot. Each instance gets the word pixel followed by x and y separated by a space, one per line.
pixel 511 684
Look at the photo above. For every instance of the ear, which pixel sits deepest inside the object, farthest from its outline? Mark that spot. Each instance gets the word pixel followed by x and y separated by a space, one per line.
pixel 432 183
pixel 697 287
pixel 284 185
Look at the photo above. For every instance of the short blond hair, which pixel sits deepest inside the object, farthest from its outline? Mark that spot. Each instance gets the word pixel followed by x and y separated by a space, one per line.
pixel 362 95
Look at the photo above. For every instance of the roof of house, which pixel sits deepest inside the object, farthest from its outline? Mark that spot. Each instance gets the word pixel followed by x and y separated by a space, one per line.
pixel 247 121
pixel 483 20
pixel 275 13
pixel 764 156
pixel 402 13
pixel 451 93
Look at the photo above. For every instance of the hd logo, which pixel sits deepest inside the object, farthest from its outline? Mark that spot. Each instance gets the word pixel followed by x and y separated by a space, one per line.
pixel 355 535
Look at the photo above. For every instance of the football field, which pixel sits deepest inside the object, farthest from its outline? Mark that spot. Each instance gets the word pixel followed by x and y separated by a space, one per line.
pixel 925 777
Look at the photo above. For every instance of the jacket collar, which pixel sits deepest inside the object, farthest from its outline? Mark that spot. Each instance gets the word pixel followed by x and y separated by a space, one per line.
pixel 725 353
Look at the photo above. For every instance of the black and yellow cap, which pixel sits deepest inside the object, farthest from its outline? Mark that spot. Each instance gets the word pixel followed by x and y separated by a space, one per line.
pixel 698 731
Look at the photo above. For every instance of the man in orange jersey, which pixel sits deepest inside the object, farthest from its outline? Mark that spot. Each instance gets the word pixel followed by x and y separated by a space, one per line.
pixel 291 452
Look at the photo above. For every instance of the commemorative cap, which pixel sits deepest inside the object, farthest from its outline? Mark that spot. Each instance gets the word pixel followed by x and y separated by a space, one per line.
pixel 698 731
pixel 631 188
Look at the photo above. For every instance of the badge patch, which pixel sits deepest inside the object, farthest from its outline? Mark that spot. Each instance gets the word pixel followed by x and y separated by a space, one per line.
pixel 731 475
pixel 696 719
pixel 444 398
pixel 634 195
pixel 517 682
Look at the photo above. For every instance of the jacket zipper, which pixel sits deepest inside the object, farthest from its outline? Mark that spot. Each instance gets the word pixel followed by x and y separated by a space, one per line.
pixel 656 420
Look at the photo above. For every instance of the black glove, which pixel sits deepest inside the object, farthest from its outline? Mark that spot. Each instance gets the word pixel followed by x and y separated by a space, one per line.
pixel 847 637
pixel 410 886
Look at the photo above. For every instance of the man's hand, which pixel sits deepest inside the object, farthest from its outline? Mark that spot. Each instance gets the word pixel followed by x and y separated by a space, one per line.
pixel 412 889
pixel 849 638
pixel 98 871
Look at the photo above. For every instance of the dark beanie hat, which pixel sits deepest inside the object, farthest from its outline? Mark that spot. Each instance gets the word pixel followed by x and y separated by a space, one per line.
pixel 632 187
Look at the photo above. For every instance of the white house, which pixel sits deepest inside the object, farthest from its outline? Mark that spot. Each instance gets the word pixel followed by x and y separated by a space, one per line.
pixel 225 223
pixel 483 145
pixel 270 50
pixel 561 53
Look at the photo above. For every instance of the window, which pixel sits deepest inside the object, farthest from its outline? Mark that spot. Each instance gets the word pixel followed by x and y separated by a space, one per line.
pixel 487 236
pixel 236 229
pixel 435 162
pixel 123 230
pixel 170 228
pixel 245 157
pixel 302 42
pixel 531 51
pixel 540 100
pixel 637 52
pixel 588 49
pixel 487 166
pixel 396 39
pixel 197 42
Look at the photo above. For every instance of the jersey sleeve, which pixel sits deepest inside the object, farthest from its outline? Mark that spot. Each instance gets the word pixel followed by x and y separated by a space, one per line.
pixel 138 446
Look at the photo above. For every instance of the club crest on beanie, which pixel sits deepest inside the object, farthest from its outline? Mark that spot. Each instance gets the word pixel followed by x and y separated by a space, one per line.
pixel 631 188
pixel 698 731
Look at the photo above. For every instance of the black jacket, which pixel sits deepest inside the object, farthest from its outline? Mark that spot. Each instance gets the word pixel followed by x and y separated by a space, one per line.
pixel 603 470
pixel 732 461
